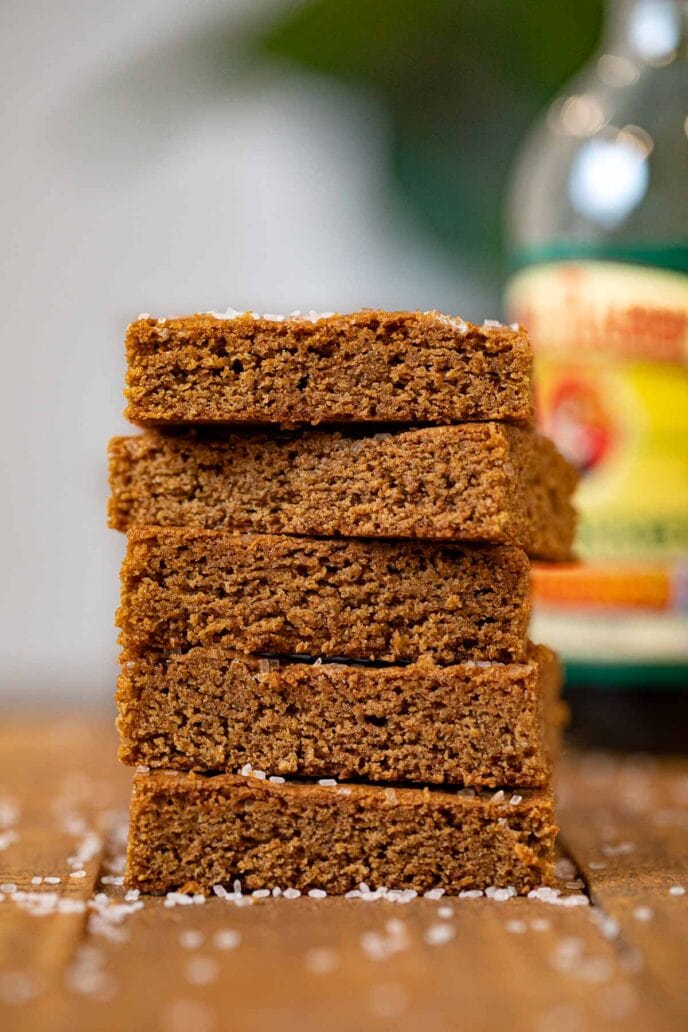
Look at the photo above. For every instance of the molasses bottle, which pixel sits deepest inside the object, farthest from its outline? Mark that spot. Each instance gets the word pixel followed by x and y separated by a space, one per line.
pixel 598 235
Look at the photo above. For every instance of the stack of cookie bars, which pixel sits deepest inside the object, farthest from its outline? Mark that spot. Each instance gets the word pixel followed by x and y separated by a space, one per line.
pixel 326 675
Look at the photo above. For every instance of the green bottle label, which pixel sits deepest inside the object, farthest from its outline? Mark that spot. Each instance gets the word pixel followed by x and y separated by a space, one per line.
pixel 672 256
pixel 609 327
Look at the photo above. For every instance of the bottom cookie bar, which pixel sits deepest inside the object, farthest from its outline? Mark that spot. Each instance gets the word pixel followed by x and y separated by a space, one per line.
pixel 189 833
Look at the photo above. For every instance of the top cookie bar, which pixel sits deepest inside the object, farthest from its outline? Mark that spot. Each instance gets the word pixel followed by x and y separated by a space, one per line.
pixel 299 370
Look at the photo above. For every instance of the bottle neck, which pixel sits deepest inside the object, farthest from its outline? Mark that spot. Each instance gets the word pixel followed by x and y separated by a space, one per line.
pixel 653 32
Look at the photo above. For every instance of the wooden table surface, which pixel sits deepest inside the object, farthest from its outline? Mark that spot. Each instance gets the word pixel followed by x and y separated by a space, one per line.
pixel 86 961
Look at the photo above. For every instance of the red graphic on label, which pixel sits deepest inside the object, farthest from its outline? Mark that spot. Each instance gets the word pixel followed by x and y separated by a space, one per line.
pixel 579 422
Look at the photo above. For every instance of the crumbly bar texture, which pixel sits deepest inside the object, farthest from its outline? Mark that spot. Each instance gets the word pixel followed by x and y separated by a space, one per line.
pixel 208 710
pixel 474 482
pixel 359 599
pixel 189 833
pixel 368 366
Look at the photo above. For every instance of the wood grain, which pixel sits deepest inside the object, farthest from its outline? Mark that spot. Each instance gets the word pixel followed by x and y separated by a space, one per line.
pixel 339 964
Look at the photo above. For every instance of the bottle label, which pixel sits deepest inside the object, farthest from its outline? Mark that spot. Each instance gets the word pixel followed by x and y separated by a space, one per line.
pixel 611 347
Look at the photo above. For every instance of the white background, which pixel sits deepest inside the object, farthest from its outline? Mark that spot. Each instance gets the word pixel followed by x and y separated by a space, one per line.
pixel 145 169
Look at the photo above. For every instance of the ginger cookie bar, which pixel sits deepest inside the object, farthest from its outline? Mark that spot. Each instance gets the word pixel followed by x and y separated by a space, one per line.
pixel 190 833
pixel 487 724
pixel 475 482
pixel 298 370
pixel 359 599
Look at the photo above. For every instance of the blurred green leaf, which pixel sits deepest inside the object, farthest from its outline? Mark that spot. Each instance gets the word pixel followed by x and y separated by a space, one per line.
pixel 381 41
pixel 461 79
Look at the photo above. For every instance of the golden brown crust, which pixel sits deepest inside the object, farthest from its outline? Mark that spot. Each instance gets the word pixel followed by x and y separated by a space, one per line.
pixel 210 710
pixel 189 833
pixel 475 482
pixel 368 366
pixel 378 600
